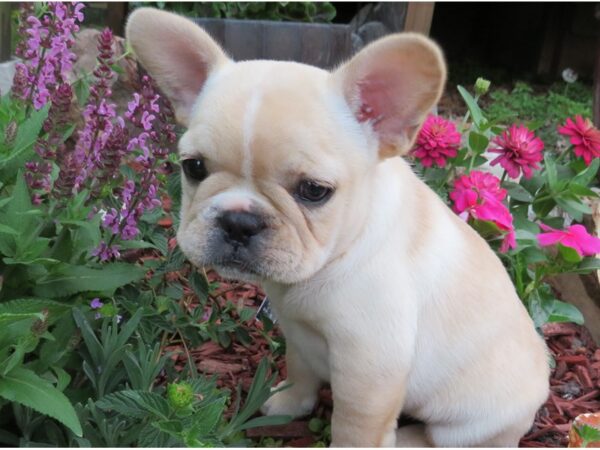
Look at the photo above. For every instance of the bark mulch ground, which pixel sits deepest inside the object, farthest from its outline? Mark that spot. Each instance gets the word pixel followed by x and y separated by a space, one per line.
pixel 575 380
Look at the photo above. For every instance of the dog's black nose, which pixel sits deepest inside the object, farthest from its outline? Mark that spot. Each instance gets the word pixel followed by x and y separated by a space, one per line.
pixel 240 226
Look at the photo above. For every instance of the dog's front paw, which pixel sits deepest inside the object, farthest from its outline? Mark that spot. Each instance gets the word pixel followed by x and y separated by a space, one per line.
pixel 289 402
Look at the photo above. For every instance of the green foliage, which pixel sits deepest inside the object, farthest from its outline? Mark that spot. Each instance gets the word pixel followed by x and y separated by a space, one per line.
pixel 541 110
pixel 283 11
pixel 77 372
pixel 588 434
pixel 29 389
pixel 555 195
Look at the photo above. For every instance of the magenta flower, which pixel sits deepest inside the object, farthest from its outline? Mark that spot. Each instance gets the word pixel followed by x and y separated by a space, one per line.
pixel 575 236
pixel 519 150
pixel 584 137
pixel 104 252
pixel 437 141
pixel 155 134
pixel 479 195
pixel 45 51
pixel 98 117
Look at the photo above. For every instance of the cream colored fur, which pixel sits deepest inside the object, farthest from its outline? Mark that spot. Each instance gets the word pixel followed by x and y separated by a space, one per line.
pixel 381 291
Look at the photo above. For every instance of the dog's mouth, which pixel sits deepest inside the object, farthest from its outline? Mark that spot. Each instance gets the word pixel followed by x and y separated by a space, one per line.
pixel 232 261
pixel 238 270
pixel 239 265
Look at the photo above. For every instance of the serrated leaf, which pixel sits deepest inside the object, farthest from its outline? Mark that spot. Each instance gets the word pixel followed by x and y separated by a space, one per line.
pixel 208 417
pixel 68 279
pixel 199 284
pixel 27 388
pixel 150 436
pixel 138 404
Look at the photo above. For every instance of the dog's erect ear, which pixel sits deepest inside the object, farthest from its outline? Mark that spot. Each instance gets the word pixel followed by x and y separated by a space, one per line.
pixel 392 84
pixel 176 52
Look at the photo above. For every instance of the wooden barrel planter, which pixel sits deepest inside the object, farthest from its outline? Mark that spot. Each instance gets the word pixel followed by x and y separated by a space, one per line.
pixel 321 45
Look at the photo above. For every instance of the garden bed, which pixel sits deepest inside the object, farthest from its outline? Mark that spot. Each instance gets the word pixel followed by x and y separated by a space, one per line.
pixel 575 380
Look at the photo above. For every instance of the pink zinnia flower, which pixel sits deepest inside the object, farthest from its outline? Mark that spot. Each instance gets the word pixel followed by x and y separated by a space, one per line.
pixel 584 137
pixel 479 195
pixel 519 150
pixel 437 140
pixel 575 236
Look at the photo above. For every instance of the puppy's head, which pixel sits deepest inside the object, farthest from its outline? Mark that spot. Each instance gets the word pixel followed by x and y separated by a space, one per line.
pixel 278 157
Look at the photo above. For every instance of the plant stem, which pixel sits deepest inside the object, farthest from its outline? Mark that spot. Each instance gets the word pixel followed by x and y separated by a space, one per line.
pixel 503 177
pixel 187 353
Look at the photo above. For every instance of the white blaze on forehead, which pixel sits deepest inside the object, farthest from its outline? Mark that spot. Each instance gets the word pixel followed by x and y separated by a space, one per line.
pixel 248 132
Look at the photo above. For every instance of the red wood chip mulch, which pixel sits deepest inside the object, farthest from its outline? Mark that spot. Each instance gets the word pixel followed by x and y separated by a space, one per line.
pixel 575 379
pixel 574 384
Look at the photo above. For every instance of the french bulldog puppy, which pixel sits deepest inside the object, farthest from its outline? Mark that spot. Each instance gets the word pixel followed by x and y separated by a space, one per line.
pixel 293 179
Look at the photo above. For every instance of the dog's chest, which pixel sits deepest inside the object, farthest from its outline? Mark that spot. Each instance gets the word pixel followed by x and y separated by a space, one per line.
pixel 309 344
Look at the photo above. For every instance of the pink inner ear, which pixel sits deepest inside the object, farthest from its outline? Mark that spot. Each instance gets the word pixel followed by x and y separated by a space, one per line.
pixel 372 100
pixel 381 96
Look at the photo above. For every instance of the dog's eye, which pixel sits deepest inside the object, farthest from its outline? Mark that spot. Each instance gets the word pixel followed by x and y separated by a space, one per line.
pixel 313 192
pixel 194 169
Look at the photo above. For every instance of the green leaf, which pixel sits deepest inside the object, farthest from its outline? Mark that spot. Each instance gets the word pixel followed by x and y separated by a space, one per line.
pixel 137 244
pixel 579 190
pixel 472 105
pixel 33 305
pixel 573 206
pixel 586 176
pixel 517 191
pixel 136 404
pixel 551 174
pixel 569 254
pixel 27 388
pixel 478 142
pixel 587 265
pixel 265 421
pixel 7 318
pixel 565 312
pixel 534 255
pixel 22 148
pixel 8 230
pixel 587 433
pixel 533 184
pixel 69 279
pixel 208 417
pixel 199 284
pixel 15 215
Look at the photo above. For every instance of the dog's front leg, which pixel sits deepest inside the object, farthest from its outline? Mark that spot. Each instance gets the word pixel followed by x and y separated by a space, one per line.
pixel 366 404
pixel 300 398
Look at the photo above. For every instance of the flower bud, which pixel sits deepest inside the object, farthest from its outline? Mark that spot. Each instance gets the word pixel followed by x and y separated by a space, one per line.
pixel 10 132
pixel 180 395
pixel 482 86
